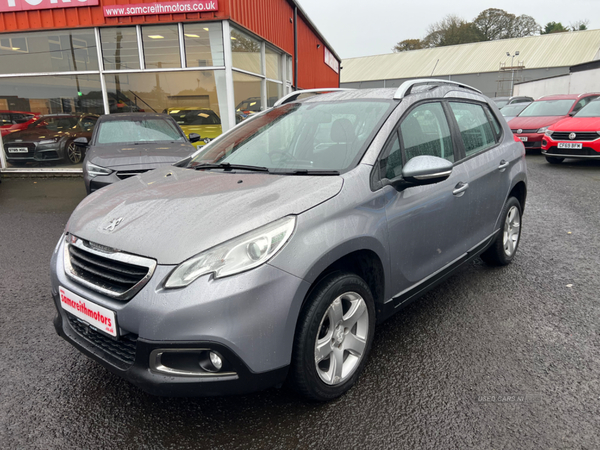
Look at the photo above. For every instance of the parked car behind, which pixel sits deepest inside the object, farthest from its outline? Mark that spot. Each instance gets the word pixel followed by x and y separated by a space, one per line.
pixel 531 124
pixel 503 101
pixel 272 252
pixel 11 121
pixel 128 144
pixel 574 137
pixel 511 111
pixel 202 121
pixel 51 138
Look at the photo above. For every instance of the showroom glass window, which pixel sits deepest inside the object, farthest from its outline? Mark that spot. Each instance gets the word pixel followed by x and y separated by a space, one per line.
pixel 119 48
pixel 246 52
pixel 49 51
pixel 161 46
pixel 203 44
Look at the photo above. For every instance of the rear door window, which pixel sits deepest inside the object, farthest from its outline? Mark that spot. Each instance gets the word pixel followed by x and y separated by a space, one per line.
pixel 475 128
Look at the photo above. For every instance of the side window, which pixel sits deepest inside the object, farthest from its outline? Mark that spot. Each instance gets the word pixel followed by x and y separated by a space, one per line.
pixel 425 131
pixel 581 103
pixel 391 165
pixel 475 129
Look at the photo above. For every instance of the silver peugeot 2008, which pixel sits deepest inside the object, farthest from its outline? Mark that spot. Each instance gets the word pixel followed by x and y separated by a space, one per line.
pixel 272 253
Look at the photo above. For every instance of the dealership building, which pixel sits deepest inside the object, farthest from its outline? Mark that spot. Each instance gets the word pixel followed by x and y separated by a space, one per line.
pixel 107 56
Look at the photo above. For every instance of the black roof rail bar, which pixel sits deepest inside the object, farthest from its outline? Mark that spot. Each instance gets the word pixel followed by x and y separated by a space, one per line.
pixel 406 87
pixel 294 95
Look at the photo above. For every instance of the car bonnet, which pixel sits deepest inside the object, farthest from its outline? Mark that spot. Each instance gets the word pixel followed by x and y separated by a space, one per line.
pixel 172 214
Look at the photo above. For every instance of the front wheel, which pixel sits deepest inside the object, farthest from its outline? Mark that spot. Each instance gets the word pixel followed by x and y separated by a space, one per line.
pixel 505 245
pixel 554 159
pixel 73 153
pixel 333 337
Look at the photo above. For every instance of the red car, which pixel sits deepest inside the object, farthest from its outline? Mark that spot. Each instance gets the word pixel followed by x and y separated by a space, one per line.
pixel 574 137
pixel 531 124
pixel 16 120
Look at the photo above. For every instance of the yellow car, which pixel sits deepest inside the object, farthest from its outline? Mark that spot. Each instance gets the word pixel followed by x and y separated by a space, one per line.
pixel 202 121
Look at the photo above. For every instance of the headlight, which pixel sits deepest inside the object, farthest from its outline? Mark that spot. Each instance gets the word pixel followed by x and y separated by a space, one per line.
pixel 548 132
pixel 94 170
pixel 48 141
pixel 542 130
pixel 237 255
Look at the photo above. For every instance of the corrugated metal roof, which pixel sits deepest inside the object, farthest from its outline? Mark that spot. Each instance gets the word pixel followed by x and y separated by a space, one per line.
pixel 550 50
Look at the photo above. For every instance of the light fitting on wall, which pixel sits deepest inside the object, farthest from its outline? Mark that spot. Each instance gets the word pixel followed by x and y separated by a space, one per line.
pixel 318 45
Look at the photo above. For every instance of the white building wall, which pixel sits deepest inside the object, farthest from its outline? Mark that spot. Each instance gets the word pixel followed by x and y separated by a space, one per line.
pixel 573 83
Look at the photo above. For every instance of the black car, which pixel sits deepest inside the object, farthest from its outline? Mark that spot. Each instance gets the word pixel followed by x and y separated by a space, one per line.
pixel 128 144
pixel 50 139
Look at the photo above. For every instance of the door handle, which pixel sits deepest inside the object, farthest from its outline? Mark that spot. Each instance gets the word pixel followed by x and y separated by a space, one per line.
pixel 503 165
pixel 460 189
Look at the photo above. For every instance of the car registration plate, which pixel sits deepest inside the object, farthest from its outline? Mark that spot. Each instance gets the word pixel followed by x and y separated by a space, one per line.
pixel 575 145
pixel 97 316
pixel 523 138
pixel 18 149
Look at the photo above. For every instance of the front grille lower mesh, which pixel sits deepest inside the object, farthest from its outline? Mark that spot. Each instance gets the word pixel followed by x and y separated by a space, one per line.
pixel 122 349
pixel 115 276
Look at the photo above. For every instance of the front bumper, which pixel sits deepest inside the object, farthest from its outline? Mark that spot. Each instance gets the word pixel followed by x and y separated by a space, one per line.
pixel 588 150
pixel 249 318
pixel 139 373
pixel 533 140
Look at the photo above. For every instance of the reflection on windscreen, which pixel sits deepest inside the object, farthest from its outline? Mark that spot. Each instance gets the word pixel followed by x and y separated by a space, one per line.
pixel 131 131
pixel 298 136
pixel 512 110
pixel 548 108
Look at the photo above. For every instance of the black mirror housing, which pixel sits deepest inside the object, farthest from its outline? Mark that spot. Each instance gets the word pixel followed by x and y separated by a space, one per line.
pixel 81 142
pixel 194 137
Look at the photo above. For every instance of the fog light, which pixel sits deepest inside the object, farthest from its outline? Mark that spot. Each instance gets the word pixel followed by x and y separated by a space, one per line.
pixel 544 142
pixel 216 360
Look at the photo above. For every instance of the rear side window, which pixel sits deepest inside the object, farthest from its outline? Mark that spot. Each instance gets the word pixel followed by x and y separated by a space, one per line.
pixel 475 128
pixel 425 131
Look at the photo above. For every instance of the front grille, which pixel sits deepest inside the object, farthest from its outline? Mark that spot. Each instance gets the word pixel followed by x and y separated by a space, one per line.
pixel 579 136
pixel 535 144
pixel 118 275
pixel 572 151
pixel 525 131
pixel 122 349
pixel 130 173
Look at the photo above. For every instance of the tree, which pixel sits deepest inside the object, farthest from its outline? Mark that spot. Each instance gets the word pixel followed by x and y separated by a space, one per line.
pixel 554 27
pixel 580 25
pixel 451 30
pixel 408 44
pixel 496 23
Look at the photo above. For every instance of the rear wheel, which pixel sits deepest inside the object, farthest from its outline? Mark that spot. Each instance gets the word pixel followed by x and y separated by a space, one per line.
pixel 333 337
pixel 505 245
pixel 554 159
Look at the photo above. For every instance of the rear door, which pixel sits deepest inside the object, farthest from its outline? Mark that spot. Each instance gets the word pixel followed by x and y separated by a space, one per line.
pixel 488 161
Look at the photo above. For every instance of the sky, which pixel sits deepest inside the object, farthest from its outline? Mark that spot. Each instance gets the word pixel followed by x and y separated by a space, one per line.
pixel 372 27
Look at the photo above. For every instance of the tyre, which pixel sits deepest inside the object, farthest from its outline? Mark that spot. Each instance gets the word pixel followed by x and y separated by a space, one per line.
pixel 554 159
pixel 333 337
pixel 73 153
pixel 503 249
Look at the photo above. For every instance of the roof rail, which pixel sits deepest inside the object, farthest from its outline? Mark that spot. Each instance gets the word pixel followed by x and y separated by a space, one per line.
pixel 406 87
pixel 294 95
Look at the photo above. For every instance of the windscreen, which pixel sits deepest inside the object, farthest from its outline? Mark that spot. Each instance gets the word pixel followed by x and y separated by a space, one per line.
pixel 592 109
pixel 513 110
pixel 195 117
pixel 312 136
pixel 548 108
pixel 138 130
pixel 501 103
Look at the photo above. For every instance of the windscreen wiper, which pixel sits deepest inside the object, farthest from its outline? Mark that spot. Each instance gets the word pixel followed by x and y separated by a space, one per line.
pixel 306 172
pixel 228 167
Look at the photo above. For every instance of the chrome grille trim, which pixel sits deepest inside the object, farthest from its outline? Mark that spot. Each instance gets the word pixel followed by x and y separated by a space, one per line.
pixel 579 136
pixel 101 259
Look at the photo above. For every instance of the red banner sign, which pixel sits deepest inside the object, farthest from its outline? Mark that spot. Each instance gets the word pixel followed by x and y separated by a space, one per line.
pixel 171 7
pixel 26 5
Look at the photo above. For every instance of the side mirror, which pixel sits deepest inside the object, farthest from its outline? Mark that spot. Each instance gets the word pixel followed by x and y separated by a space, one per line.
pixel 194 137
pixel 425 169
pixel 572 113
pixel 81 142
